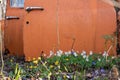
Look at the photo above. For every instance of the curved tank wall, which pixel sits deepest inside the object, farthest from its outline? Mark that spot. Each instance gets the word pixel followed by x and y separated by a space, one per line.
pixel 62 25
pixel 64 22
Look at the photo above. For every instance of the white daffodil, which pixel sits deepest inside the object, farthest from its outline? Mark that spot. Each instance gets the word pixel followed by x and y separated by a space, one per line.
pixel 105 54
pixel 83 53
pixel 51 53
pixel 69 52
pixel 59 53
pixel 66 53
pixel 84 56
pixel 99 59
pixel 87 58
pixel 75 54
pixel 113 57
pixel 59 66
pixel 90 53
pixel 68 76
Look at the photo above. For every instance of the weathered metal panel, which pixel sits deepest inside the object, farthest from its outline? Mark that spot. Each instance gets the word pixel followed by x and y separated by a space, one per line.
pixel 14 30
pixel 40 34
pixel 63 24
pixel 63 21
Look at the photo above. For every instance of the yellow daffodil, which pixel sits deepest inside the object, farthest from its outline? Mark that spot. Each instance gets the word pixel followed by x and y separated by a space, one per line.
pixel 44 64
pixel 39 58
pixel 57 62
pixel 59 66
pixel 31 67
pixel 67 59
pixel 64 76
pixel 51 66
pixel 11 60
pixel 35 62
pixel 49 74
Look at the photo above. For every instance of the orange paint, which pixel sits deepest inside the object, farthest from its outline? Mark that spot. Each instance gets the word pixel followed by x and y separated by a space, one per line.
pixel 58 25
pixel 14 31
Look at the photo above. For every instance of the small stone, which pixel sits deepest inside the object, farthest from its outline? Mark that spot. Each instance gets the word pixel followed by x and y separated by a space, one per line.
pixel 114 73
pixel 89 76
pixel 7 78
pixel 40 79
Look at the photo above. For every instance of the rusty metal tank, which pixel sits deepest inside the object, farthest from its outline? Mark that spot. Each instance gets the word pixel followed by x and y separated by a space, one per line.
pixel 45 26
pixel 13 30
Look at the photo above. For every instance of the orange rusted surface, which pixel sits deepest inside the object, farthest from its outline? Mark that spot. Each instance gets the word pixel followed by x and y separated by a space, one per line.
pixel 2 25
pixel 14 30
pixel 63 24
pixel 65 21
pixel 40 34
pixel 2 33
pixel 106 24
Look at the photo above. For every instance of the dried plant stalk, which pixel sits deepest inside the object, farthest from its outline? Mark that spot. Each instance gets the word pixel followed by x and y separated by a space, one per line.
pixel 1 50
